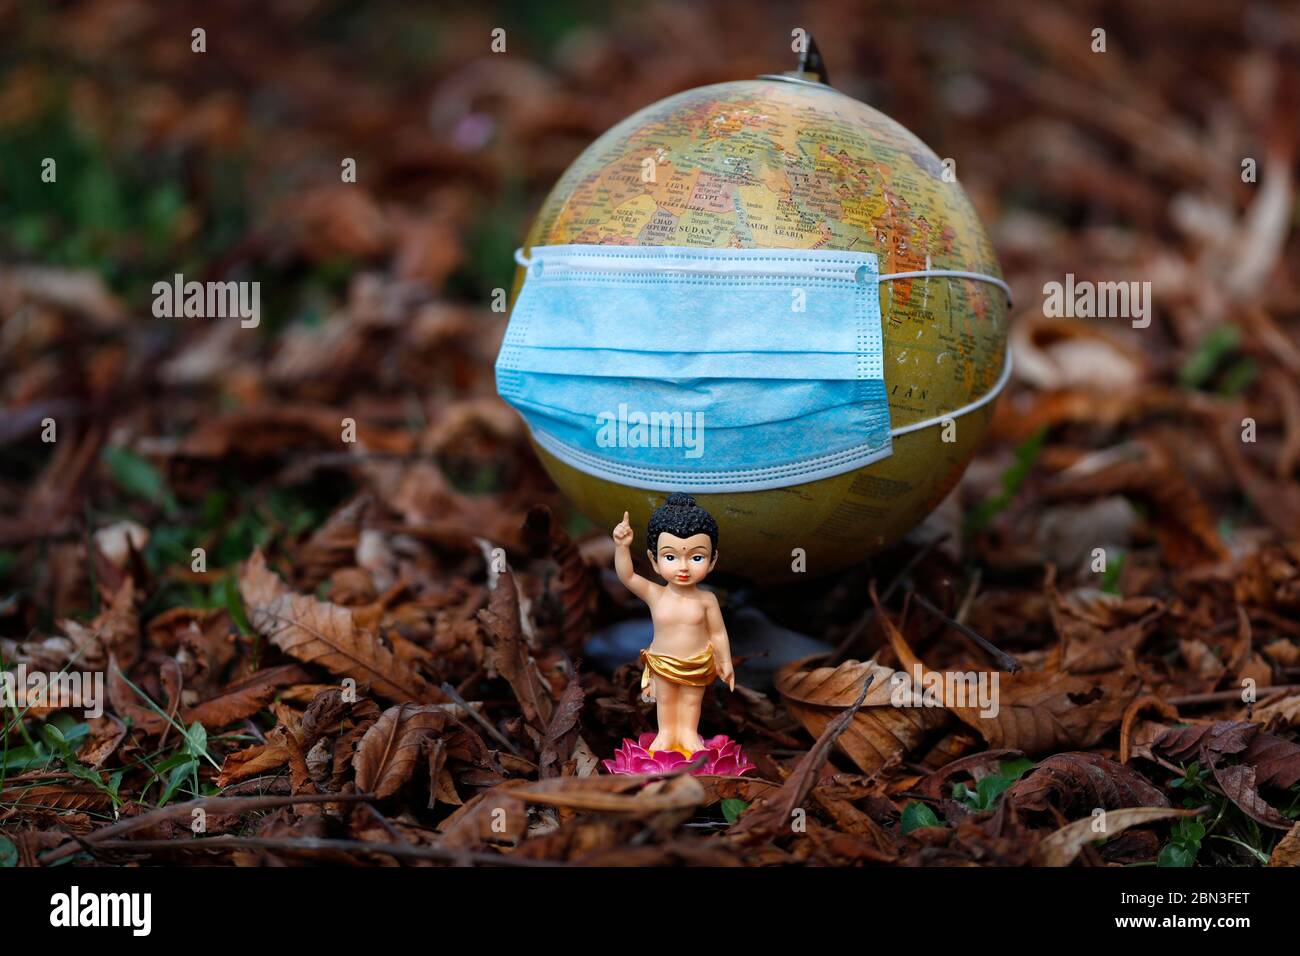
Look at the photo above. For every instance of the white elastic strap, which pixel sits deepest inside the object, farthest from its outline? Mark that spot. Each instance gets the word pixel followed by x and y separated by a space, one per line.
pixel 946 273
pixel 983 400
pixel 522 259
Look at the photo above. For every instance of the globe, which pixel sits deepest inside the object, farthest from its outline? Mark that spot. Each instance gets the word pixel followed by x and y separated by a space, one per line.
pixel 789 163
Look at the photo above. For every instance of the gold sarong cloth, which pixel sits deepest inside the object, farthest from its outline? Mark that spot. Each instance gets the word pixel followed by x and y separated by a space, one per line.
pixel 696 671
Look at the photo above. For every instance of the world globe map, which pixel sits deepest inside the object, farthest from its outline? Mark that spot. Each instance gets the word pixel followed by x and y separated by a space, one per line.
pixel 788 163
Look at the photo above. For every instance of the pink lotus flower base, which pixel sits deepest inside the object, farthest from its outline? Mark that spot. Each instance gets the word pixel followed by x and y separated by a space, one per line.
pixel 724 758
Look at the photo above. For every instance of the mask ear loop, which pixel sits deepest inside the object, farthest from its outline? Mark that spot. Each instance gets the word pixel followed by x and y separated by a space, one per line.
pixel 942 273
pixel 993 392
pixel 980 402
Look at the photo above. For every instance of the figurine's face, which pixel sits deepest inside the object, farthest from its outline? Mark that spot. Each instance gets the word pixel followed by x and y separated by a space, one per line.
pixel 684 561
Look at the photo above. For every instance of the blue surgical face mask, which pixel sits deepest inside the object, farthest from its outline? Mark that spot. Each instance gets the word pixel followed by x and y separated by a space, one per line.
pixel 704 370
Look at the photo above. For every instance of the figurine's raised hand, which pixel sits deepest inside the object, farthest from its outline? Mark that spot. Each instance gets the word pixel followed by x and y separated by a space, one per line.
pixel 623 562
pixel 623 533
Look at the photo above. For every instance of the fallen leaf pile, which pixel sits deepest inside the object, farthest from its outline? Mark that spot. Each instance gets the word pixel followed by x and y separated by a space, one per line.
pixel 340 613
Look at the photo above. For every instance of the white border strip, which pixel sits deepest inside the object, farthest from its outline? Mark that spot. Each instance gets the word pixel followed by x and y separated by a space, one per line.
pixel 842 265
pixel 761 479
pixel 715 482
pixel 672 259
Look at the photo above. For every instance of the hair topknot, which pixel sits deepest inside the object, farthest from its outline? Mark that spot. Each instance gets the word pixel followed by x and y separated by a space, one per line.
pixel 681 517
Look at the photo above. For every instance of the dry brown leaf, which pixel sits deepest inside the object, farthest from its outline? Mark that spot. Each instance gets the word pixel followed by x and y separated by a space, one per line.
pixel 562 731
pixel 635 796
pixel 244 698
pixel 1287 851
pixel 1100 631
pixel 1202 661
pixel 272 430
pixel 1286 653
pixel 774 812
pixel 320 633
pixel 333 545
pixel 1265 760
pixel 300 780
pixel 1276 760
pixel 115 630
pixel 1083 781
pixel 1055 353
pixel 54 796
pixel 442 787
pixel 953 745
pixel 1277 502
pixel 129 705
pixel 491 817
pixel 1184 526
pixel 386 756
pixel 252 762
pixel 510 654
pixel 880 734
pixel 1060 848
pixel 1281 711
pixel 1130 745
pixel 577 583
pixel 1239 785
pixel 748 789
pixel 106 733
pixel 1044 712
pixel 851 821
pixel 1037 711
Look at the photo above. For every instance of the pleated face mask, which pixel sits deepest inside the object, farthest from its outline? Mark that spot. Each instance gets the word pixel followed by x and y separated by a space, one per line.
pixel 704 370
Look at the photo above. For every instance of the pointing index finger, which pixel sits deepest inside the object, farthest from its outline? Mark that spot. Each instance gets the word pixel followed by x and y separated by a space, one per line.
pixel 625 517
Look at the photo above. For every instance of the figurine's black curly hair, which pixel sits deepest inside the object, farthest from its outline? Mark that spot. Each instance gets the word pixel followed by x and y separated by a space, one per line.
pixel 679 515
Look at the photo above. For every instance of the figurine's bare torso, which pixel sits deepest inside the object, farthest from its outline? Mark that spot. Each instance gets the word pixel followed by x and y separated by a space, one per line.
pixel 680 620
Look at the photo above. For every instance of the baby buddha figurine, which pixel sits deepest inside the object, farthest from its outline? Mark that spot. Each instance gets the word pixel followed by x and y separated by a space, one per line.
pixel 689 649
